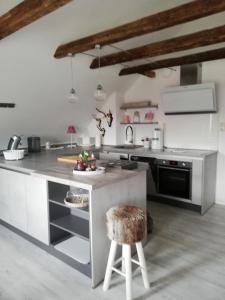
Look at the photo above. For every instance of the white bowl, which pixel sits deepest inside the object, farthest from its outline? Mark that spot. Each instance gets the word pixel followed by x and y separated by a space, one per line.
pixel 13 154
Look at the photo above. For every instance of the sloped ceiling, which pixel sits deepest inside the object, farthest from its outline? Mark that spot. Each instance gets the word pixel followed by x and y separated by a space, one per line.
pixel 39 84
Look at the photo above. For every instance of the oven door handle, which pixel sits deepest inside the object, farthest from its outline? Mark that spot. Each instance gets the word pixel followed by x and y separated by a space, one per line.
pixel 175 169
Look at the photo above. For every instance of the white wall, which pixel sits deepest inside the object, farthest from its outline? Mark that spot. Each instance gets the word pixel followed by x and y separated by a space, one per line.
pixel 215 71
pixel 184 131
pixel 145 88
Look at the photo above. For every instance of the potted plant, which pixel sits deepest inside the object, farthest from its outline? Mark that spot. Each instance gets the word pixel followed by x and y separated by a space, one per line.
pixel 87 161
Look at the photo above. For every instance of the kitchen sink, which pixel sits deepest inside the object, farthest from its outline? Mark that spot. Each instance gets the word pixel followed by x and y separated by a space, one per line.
pixel 127 146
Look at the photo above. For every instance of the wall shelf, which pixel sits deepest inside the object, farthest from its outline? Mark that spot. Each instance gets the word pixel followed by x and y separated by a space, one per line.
pixel 138 105
pixel 140 123
pixel 7 105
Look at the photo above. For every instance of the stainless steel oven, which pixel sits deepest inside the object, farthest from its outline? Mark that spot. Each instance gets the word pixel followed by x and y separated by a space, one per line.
pixel 174 178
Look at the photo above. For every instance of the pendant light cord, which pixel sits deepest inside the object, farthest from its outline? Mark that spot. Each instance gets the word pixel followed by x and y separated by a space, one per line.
pixel 71 69
pixel 99 64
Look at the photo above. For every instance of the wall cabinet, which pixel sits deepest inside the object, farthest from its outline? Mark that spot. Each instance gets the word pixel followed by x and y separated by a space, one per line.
pixel 23 203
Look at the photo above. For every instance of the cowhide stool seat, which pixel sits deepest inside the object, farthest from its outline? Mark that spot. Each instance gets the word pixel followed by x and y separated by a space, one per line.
pixel 126 226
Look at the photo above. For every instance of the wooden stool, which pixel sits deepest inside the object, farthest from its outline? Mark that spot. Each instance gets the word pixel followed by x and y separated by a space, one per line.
pixel 126 226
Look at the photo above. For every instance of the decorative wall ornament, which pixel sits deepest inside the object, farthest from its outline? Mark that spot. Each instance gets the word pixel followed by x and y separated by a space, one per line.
pixel 99 126
pixel 107 116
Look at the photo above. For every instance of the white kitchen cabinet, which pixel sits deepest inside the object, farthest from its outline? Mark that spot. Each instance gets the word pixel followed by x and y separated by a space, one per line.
pixel 23 203
pixel 197 98
pixel 4 204
pixel 13 198
pixel 37 209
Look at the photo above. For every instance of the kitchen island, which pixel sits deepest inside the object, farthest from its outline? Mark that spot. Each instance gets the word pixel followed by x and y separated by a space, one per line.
pixel 32 193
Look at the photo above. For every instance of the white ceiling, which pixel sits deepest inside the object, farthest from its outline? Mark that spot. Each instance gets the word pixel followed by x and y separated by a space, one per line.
pixel 84 17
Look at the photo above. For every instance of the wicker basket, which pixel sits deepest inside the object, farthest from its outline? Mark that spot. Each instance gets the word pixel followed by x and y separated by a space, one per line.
pixel 76 200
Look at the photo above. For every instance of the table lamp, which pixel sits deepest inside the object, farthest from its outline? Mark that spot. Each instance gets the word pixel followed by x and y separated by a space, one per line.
pixel 71 130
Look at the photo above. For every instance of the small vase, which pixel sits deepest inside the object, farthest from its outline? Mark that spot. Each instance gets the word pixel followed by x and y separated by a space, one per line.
pixel 136 118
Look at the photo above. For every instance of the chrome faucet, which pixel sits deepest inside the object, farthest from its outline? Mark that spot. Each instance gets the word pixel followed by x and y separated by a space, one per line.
pixel 132 135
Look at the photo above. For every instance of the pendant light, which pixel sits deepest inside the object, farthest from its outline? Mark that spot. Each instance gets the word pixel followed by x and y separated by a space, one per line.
pixel 73 98
pixel 99 94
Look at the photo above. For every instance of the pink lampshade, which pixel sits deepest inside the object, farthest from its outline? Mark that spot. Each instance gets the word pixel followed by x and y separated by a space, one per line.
pixel 71 129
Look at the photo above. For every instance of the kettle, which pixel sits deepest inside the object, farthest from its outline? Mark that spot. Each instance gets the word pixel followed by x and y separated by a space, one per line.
pixel 14 142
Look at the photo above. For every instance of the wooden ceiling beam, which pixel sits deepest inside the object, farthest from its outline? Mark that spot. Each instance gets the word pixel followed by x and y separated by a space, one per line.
pixel 150 74
pixel 25 13
pixel 186 42
pixel 175 16
pixel 178 61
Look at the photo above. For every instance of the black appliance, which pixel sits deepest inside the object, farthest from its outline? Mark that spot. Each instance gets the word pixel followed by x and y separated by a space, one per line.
pixel 34 144
pixel 174 178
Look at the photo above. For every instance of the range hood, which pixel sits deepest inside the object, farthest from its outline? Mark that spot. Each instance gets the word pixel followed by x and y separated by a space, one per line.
pixel 192 96
pixel 190 74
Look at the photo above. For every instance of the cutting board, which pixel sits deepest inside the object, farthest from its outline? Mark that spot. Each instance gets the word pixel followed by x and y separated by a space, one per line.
pixel 72 159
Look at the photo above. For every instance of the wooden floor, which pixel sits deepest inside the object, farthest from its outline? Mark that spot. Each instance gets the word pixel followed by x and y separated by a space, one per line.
pixel 185 260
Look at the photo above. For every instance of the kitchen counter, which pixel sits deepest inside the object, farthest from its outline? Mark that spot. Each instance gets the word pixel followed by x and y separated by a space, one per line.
pixel 45 164
pixel 32 193
pixel 167 153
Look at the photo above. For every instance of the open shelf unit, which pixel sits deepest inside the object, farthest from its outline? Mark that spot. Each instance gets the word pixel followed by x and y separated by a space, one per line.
pixel 69 227
pixel 82 212
pixel 140 123
pixel 73 225
pixel 76 248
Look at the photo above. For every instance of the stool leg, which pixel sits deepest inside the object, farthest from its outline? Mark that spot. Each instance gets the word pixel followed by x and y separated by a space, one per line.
pixel 111 258
pixel 123 261
pixel 142 262
pixel 128 271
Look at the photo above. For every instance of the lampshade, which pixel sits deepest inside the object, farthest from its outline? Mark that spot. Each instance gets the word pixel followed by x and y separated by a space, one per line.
pixel 73 98
pixel 71 129
pixel 100 94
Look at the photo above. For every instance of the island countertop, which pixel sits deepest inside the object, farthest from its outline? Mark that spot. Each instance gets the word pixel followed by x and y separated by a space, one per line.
pixel 45 165
pixel 32 193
